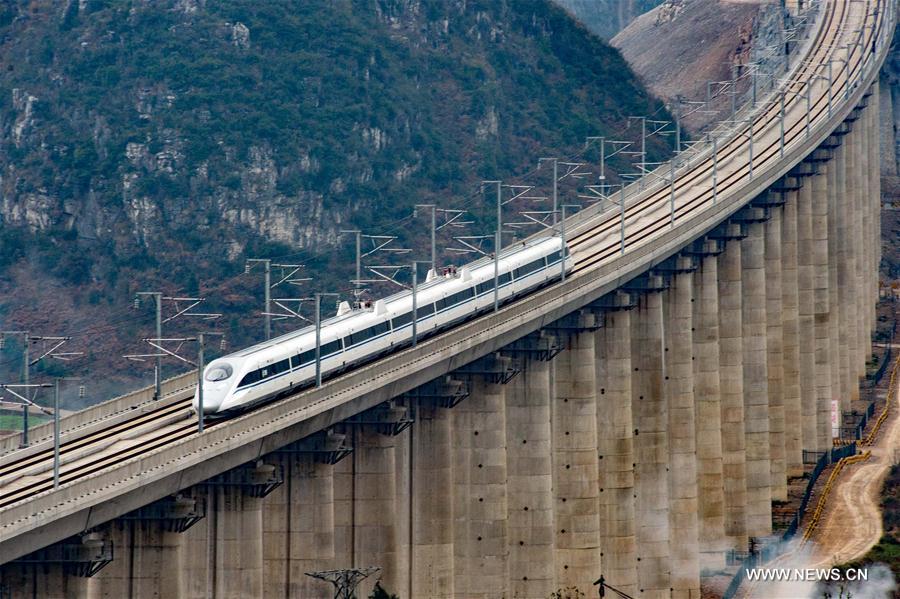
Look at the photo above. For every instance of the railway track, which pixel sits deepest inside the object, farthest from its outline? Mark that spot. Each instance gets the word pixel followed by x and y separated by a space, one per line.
pixel 655 205
pixel 87 452
pixel 594 241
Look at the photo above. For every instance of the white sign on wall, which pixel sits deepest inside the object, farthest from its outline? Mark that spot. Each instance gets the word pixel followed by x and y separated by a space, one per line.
pixel 835 418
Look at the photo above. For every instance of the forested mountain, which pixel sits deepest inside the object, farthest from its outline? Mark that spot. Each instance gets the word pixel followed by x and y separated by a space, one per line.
pixel 157 144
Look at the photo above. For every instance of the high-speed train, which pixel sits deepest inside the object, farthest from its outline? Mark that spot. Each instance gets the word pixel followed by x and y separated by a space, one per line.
pixel 267 370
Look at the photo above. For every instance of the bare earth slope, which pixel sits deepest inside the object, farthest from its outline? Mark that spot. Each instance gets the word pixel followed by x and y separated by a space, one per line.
pixel 676 47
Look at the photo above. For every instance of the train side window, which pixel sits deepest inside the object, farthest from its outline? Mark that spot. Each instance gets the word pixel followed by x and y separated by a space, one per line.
pixel 249 378
pixel 279 367
pixel 378 329
pixel 485 287
pixel 295 361
pixel 307 357
pixel 362 336
pixel 329 348
pixel 529 268
pixel 441 304
pixel 505 278
pixel 404 319
pixel 424 310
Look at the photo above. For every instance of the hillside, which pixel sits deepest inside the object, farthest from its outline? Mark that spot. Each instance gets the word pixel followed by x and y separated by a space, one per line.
pixel 157 145
pixel 607 17
pixel 662 47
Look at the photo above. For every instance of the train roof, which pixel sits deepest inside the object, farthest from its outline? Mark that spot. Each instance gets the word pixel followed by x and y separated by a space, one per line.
pixel 481 262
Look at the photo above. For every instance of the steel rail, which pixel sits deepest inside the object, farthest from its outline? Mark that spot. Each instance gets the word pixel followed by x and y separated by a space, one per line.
pixel 735 177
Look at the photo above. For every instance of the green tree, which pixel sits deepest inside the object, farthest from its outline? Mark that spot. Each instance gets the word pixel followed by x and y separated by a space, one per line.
pixel 379 593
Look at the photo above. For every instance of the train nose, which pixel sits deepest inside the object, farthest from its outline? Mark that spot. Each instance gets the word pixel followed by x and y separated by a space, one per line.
pixel 212 399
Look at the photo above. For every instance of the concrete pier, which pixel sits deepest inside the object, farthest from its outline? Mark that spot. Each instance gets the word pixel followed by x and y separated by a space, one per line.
pixel 615 437
pixel 480 493
pixel 873 170
pixel 149 564
pixel 432 503
pixel 576 460
pixel 869 270
pixel 756 393
pixel 679 390
pixel 849 389
pixel 853 264
pixel 731 383
pixel 822 309
pixel 793 427
pixel 298 524
pixel 807 328
pixel 834 343
pixel 651 442
pixel 708 411
pixel 530 481
pixel 364 500
pixel 857 198
pixel 775 353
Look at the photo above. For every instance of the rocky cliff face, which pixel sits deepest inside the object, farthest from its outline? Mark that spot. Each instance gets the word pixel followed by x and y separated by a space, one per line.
pixel 607 17
pixel 155 145
pixel 681 45
pixel 889 100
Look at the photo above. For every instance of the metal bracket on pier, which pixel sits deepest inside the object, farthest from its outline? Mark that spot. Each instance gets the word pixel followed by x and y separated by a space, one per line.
pixel 387 418
pixel 821 154
pixel 81 556
pixel 804 169
pixel 787 183
pixel 830 143
pixel 326 447
pixel 495 368
pixel 729 231
pixel 257 479
pixel 751 214
pixel 444 392
pixel 616 300
pixel 842 130
pixel 540 345
pixel 176 513
pixel 853 116
pixel 678 264
pixel 703 248
pixel 649 282
pixel 581 321
pixel 769 199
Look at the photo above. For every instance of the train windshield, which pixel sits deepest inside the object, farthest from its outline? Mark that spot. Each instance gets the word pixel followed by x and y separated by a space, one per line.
pixel 218 372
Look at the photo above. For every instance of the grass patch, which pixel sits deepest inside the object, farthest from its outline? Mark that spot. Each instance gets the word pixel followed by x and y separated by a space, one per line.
pixel 13 422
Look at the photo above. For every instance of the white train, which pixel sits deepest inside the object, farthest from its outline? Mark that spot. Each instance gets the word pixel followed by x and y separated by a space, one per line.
pixel 264 371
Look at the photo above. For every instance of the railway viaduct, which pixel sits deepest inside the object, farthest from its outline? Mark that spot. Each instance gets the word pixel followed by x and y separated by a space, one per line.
pixel 636 420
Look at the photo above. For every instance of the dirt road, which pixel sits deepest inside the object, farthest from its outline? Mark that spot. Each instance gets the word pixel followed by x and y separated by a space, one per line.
pixel 852 522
